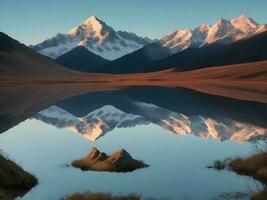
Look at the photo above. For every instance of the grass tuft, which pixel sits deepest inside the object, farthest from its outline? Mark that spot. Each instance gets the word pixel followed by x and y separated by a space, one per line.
pixel 100 196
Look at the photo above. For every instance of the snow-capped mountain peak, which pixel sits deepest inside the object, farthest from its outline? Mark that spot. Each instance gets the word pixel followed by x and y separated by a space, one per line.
pixel 91 28
pixel 223 31
pixel 244 23
pixel 93 19
pixel 203 27
pixel 97 37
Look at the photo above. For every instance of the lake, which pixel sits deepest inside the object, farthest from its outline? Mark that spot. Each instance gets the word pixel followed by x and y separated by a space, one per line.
pixel 177 132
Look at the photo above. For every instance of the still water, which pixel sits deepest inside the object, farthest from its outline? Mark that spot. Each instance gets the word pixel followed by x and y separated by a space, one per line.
pixel 177 132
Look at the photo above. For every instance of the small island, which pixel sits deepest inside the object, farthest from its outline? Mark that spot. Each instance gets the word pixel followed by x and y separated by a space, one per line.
pixel 120 161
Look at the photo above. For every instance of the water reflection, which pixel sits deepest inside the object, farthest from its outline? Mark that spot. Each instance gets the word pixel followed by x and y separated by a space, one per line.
pixel 181 112
pixel 146 122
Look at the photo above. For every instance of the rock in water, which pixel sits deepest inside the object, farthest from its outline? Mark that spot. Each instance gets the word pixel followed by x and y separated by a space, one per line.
pixel 120 161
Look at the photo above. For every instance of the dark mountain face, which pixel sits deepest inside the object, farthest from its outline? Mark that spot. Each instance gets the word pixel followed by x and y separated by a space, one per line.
pixel 18 59
pixel 137 61
pixel 127 64
pixel 7 43
pixel 153 57
pixel 81 59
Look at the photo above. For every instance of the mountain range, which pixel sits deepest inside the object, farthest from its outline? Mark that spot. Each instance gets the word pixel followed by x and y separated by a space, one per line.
pixel 222 32
pixel 242 51
pixel 184 49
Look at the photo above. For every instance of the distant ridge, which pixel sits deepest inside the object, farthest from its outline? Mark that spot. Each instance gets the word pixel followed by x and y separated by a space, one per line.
pixel 81 59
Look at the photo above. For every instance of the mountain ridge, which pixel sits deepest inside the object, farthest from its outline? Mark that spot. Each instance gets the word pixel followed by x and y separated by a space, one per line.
pixel 222 32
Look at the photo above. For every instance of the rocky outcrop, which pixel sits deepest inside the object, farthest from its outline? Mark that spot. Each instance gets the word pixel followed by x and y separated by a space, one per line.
pixel 120 161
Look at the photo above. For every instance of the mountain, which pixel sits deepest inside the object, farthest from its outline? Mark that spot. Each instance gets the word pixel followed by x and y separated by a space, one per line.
pixel 199 46
pixel 222 32
pixel 246 50
pixel 97 37
pixel 18 59
pixel 81 59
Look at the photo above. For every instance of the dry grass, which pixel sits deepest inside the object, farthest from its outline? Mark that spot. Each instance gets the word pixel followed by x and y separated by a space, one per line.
pixel 260 195
pixel 100 196
pixel 14 181
pixel 14 177
pixel 218 164
pixel 242 81
pixel 256 167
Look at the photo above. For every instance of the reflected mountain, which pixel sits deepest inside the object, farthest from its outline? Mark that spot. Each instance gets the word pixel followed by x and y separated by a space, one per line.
pixel 94 125
pixel 181 112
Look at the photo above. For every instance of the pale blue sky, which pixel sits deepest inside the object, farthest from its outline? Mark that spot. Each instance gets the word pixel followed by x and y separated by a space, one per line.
pixel 31 21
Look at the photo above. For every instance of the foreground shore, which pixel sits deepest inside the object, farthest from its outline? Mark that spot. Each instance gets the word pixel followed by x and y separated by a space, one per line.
pixel 14 181
pixel 254 166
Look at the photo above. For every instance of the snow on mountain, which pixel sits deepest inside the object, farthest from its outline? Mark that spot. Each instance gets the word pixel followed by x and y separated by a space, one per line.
pixel 95 35
pixel 103 120
pixel 223 32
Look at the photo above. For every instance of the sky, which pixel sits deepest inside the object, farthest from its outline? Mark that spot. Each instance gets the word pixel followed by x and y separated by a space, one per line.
pixel 32 21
